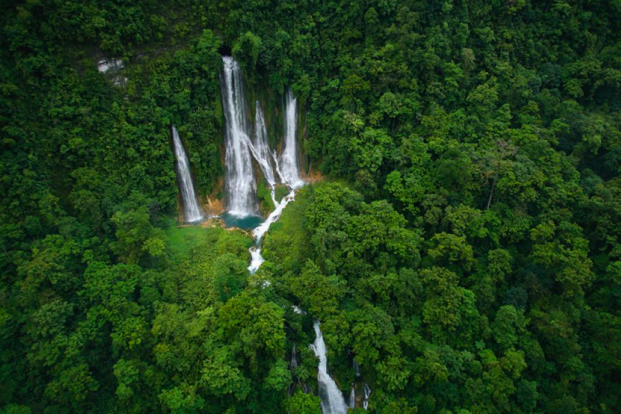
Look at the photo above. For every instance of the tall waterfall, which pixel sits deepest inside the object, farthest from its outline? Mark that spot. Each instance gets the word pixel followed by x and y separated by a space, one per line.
pixel 356 367
pixel 241 149
pixel 191 209
pixel 261 148
pixel 289 165
pixel 268 161
pixel 239 181
pixel 367 395
pixel 352 397
pixel 242 146
pixel 332 401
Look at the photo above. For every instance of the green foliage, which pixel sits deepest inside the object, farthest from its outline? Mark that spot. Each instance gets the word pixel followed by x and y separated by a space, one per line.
pixel 246 51
pixel 468 258
pixel 265 197
pixel 301 403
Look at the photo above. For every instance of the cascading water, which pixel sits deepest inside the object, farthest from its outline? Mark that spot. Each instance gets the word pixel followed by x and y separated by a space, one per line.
pixel 269 163
pixel 240 184
pixel 356 368
pixel 256 260
pixel 367 395
pixel 352 397
pixel 332 401
pixel 294 359
pixel 261 147
pixel 191 209
pixel 259 232
pixel 289 166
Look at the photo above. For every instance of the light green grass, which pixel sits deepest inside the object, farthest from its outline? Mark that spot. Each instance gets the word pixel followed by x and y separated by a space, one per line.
pixel 187 242
pixel 181 240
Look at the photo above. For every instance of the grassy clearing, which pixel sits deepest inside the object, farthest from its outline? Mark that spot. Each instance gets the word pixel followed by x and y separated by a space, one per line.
pixel 183 239
pixel 187 241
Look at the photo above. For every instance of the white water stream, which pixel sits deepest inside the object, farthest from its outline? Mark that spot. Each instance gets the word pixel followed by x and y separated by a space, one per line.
pixel 332 401
pixel 191 209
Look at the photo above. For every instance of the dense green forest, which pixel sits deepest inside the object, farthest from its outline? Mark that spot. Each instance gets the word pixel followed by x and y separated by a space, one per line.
pixel 463 244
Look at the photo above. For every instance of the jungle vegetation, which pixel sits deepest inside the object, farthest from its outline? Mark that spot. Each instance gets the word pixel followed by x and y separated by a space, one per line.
pixel 464 245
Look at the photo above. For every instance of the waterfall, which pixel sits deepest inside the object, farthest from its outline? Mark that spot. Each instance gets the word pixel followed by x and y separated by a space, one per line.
pixel 191 210
pixel 367 394
pixel 241 149
pixel 239 182
pixel 289 157
pixel 297 310
pixel 332 401
pixel 241 186
pixel 268 162
pixel 352 397
pixel 261 147
pixel 294 359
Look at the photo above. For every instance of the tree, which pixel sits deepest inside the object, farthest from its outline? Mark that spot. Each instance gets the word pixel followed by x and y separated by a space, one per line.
pixel 302 403
pixel 246 50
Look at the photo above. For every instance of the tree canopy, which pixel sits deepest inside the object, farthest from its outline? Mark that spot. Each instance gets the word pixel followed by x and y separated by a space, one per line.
pixel 463 246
